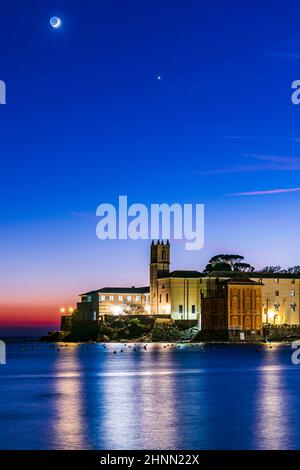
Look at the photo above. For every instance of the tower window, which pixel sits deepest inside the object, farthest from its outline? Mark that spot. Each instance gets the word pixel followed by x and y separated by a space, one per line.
pixel 180 309
pixel 193 309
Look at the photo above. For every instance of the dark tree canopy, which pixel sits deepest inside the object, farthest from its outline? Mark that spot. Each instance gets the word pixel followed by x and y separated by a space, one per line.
pixel 294 270
pixel 271 270
pixel 228 262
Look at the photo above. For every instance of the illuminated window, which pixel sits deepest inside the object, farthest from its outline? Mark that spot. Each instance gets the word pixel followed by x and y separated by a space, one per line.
pixel 276 307
pixel 102 297
pixel 128 298
pixel 120 298
pixel 293 292
pixel 111 297
pixel 89 298
pixel 138 298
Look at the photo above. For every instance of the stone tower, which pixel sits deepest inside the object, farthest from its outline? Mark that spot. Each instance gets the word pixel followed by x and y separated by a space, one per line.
pixel 159 266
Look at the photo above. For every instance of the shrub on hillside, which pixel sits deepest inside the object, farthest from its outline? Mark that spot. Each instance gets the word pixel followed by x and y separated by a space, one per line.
pixel 165 333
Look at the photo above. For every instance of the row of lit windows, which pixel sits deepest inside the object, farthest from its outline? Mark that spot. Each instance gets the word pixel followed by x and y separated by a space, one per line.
pixel 129 298
pixel 293 281
pixel 180 309
pixel 292 305
pixel 293 293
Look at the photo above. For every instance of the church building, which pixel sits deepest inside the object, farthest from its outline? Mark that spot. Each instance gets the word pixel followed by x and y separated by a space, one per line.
pixel 231 300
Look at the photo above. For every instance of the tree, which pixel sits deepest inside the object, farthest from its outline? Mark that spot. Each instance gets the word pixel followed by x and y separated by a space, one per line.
pixel 271 270
pixel 230 259
pixel 217 267
pixel 243 267
pixel 294 270
pixel 227 262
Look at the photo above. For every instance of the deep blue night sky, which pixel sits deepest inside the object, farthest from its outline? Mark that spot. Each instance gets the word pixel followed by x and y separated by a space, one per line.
pixel 87 120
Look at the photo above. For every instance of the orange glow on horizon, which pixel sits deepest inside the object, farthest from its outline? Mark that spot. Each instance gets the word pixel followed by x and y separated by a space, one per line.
pixel 30 315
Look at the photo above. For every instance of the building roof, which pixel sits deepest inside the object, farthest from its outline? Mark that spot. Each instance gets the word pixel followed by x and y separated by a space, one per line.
pixel 242 280
pixel 183 274
pixel 120 290
pixel 253 275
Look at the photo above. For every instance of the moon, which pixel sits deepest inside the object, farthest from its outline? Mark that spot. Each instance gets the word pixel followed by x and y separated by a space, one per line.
pixel 55 22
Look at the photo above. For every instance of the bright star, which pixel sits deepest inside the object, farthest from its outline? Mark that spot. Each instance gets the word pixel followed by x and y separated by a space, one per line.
pixel 158 77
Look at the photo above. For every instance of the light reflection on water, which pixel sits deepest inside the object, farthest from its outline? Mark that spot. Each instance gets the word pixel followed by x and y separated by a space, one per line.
pixel 150 411
pixel 86 397
pixel 69 424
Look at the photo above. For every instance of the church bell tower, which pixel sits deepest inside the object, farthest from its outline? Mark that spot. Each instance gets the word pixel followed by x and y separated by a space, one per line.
pixel 159 267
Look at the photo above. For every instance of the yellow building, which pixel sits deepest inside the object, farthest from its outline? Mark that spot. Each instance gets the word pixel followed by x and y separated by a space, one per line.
pixel 280 303
pixel 113 301
pixel 233 305
pixel 180 294
pixel 177 293
pixel 122 300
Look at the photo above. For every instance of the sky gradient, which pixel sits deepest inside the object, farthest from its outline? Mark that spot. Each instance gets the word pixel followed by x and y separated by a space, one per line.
pixel 87 120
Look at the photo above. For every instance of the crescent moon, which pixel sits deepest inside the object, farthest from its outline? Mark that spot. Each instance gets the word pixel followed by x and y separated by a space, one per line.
pixel 55 22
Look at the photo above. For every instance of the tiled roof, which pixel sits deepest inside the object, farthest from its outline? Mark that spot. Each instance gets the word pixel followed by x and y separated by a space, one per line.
pixel 242 280
pixel 254 275
pixel 183 274
pixel 120 290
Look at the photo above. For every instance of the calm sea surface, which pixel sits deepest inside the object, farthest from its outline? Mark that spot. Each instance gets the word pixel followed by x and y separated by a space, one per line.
pixel 87 397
